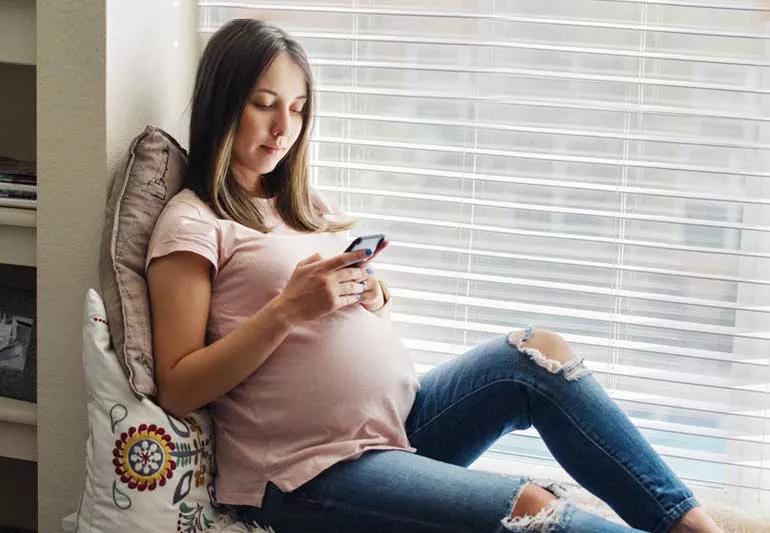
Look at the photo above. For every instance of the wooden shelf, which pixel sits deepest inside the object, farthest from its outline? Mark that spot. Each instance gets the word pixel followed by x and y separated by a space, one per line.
pixel 18 429
pixel 17 32
pixel 10 216
pixel 18 236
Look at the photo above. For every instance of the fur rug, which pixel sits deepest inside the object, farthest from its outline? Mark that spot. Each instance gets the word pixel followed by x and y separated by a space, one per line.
pixel 728 517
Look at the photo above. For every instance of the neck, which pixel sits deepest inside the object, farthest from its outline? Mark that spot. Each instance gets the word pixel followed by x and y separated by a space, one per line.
pixel 249 180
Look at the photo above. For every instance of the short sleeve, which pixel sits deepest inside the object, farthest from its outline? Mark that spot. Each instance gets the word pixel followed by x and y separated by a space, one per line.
pixel 181 228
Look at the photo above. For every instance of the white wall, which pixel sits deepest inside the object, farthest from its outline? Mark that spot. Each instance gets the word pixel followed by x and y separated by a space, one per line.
pixel 152 53
pixel 105 70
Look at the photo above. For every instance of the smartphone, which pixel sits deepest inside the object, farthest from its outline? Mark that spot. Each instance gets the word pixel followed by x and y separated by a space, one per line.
pixel 366 241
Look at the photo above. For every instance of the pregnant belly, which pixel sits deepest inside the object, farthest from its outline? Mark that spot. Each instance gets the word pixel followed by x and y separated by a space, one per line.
pixel 347 362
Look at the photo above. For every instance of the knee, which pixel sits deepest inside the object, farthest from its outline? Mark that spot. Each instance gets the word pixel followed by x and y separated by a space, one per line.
pixel 550 351
pixel 531 500
pixel 534 509
pixel 548 343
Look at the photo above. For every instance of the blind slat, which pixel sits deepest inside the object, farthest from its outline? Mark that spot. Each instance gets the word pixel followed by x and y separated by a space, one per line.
pixel 563 236
pixel 684 273
pixel 563 103
pixel 448 350
pixel 652 347
pixel 412 39
pixel 547 209
pixel 721 143
pixel 537 73
pixel 355 10
pixel 670 451
pixel 618 318
pixel 570 287
pixel 556 183
pixel 730 6
pixel 509 463
pixel 540 156
pixel 736 484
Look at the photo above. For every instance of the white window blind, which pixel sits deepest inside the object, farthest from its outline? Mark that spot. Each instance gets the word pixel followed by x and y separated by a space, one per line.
pixel 596 167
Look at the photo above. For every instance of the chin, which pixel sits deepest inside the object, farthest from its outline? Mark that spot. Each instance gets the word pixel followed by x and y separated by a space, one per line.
pixel 266 169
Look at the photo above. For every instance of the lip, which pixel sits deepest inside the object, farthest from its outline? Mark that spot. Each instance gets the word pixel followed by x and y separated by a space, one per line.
pixel 272 150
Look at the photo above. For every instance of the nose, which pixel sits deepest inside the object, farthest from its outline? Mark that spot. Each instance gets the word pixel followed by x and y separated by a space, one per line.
pixel 281 126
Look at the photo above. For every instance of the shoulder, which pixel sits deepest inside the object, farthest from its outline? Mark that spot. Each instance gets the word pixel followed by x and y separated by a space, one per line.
pixel 185 214
pixel 187 203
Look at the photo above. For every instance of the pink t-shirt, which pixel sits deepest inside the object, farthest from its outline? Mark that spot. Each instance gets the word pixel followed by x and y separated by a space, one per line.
pixel 335 387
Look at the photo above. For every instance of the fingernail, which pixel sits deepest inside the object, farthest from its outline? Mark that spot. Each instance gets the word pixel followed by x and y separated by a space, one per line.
pixel 368 252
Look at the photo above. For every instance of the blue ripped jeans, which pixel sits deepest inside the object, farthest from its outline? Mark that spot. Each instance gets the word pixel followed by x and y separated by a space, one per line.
pixel 461 409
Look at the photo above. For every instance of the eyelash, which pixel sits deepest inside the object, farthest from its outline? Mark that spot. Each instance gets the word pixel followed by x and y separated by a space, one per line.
pixel 268 107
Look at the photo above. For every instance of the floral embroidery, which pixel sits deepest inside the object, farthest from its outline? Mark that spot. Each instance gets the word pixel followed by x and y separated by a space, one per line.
pixel 200 476
pixel 99 319
pixel 143 457
pixel 192 519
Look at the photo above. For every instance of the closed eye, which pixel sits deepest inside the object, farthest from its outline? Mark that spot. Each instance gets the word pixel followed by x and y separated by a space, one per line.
pixel 260 106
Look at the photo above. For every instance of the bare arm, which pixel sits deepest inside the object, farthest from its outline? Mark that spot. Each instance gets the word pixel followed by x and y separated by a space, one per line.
pixel 190 374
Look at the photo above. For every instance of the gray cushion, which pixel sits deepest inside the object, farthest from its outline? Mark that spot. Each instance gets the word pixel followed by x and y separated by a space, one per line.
pixel 151 174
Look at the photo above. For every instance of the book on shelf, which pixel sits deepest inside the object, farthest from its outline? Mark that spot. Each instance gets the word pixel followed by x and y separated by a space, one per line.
pixel 24 195
pixel 17 179
pixel 18 203
pixel 15 333
pixel 18 332
pixel 18 187
pixel 17 167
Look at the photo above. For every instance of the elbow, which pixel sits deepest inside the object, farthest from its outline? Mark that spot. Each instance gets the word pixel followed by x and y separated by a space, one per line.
pixel 170 404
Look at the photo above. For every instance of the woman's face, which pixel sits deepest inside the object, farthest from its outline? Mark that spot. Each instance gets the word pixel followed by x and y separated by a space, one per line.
pixel 270 122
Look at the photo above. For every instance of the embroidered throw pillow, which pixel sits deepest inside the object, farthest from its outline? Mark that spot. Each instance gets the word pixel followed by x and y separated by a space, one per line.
pixel 145 469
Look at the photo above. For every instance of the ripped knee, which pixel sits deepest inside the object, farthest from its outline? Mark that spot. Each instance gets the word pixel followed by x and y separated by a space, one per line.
pixel 550 515
pixel 549 350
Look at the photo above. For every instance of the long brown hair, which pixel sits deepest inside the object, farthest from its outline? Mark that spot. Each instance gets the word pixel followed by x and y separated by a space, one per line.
pixel 234 58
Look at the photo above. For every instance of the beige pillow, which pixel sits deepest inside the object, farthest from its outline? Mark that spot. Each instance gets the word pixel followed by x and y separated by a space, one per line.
pixel 152 173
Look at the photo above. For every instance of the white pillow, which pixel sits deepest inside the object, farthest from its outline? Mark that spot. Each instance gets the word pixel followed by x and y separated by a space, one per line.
pixel 145 469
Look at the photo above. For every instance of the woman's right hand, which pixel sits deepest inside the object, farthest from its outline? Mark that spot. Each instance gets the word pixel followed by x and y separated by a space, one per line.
pixel 320 286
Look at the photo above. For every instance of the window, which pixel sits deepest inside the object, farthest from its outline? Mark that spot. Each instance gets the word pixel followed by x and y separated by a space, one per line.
pixel 596 167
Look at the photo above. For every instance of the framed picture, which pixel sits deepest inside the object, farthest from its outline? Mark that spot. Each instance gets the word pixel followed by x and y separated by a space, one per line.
pixel 15 336
pixel 18 331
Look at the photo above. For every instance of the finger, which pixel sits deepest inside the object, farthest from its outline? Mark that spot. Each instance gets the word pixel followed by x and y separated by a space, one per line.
pixel 353 287
pixel 349 300
pixel 343 260
pixel 369 295
pixel 383 244
pixel 310 259
pixel 350 274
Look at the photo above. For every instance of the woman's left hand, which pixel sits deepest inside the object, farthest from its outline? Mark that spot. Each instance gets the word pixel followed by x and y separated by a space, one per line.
pixel 372 298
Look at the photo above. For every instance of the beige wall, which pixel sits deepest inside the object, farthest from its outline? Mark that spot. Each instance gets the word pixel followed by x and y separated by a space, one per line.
pixel 105 69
